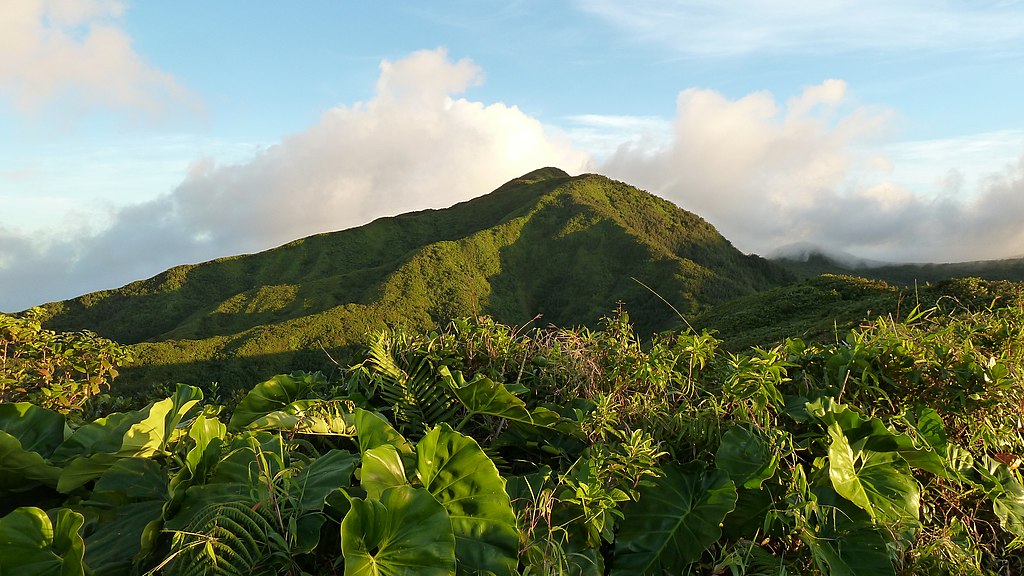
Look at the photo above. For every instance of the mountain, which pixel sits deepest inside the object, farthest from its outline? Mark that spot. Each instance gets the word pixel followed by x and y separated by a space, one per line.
pixel 805 261
pixel 567 248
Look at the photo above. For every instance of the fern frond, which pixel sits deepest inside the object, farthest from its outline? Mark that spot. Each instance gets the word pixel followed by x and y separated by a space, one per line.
pixel 223 539
pixel 408 382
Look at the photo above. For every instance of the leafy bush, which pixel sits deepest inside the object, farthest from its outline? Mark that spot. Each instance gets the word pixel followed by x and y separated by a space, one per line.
pixel 56 370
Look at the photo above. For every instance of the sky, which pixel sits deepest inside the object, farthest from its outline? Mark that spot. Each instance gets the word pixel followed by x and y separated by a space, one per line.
pixel 136 136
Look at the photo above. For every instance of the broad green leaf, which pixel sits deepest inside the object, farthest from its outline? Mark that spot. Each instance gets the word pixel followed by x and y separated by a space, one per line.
pixel 483 396
pixel 1007 494
pixel 144 433
pixel 382 469
pixel 273 395
pixel 22 469
pixel 322 476
pixel 747 458
pixel 676 518
pixel 880 483
pixel 207 434
pixel 128 498
pixel 37 429
pixel 249 457
pixel 454 469
pixel 930 427
pixel 373 430
pixel 404 533
pixel 853 551
pixel 28 436
pixel 103 435
pixel 68 543
pixel 875 436
pixel 31 545
pixel 150 436
pixel 843 540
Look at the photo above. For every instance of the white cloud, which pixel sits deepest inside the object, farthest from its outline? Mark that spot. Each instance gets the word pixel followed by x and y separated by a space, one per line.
pixel 739 27
pixel 413 146
pixel 75 52
pixel 813 171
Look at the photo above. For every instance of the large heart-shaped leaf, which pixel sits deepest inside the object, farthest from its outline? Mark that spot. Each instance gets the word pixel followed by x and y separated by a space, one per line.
pixel 483 396
pixel 454 469
pixel 880 483
pixel 322 476
pixel 31 545
pixel 273 395
pixel 404 533
pixel 875 436
pixel 676 518
pixel 1006 493
pixel 747 458
pixel 382 469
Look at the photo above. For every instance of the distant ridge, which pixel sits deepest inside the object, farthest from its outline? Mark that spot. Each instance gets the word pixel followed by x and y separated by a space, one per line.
pixel 568 248
pixel 808 261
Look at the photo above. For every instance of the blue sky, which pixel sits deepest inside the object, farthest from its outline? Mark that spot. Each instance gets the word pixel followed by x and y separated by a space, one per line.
pixel 135 136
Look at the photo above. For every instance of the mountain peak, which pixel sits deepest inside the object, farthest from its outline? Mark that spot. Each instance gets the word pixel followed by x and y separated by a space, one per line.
pixel 546 243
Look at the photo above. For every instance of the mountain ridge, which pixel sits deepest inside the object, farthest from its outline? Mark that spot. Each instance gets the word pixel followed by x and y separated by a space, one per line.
pixel 567 248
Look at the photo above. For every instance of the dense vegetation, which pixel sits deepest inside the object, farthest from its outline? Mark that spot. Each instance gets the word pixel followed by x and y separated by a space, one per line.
pixel 481 448
pixel 566 248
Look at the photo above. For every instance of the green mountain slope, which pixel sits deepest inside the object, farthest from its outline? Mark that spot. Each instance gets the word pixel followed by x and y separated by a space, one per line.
pixel 568 248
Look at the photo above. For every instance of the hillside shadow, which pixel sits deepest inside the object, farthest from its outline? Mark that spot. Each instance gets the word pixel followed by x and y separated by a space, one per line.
pixel 232 375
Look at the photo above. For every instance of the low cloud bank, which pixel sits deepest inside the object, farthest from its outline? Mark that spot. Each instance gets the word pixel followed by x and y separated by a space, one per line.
pixel 769 174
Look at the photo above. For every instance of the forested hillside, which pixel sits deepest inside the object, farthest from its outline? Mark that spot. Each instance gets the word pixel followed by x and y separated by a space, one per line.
pixel 564 248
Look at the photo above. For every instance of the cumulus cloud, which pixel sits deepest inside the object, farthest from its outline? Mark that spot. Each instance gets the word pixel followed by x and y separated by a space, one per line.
pixel 740 27
pixel 75 52
pixel 415 145
pixel 768 175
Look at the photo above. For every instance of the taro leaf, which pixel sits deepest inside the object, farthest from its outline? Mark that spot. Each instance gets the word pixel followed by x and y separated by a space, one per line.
pixel 676 518
pixel 150 436
pixel 127 499
pixel 103 435
pixel 1006 493
pixel 405 533
pixel 237 477
pixel 145 433
pixel 22 469
pixel 207 434
pixel 382 469
pixel 322 476
pixel 876 437
pixel 454 469
pixel 37 429
pixel 752 507
pixel 878 482
pixel 747 459
pixel 930 427
pixel 30 545
pixel 483 396
pixel 273 395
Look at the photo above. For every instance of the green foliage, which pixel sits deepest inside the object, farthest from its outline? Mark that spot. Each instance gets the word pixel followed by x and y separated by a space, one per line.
pixel 483 448
pixel 32 544
pixel 55 370
pixel 403 533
